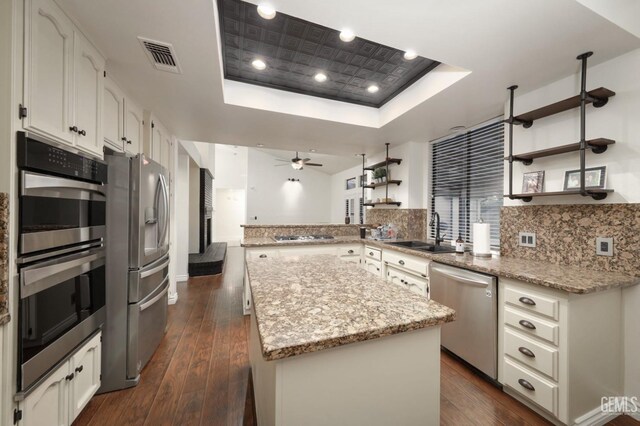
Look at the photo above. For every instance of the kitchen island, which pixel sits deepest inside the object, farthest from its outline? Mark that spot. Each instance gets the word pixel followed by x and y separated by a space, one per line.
pixel 332 344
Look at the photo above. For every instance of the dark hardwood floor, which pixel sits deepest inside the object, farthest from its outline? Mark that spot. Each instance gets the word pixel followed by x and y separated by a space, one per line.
pixel 200 373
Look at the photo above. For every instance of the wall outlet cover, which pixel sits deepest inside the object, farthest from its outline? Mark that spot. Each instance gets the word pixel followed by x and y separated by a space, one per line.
pixel 604 246
pixel 527 239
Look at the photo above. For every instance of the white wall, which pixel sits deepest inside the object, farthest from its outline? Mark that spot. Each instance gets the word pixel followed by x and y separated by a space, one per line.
pixel 194 207
pixel 182 216
pixel 231 206
pixel 231 163
pixel 618 120
pixel 274 200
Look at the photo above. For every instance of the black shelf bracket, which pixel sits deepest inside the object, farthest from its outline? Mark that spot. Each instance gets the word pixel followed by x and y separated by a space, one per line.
pixel 598 195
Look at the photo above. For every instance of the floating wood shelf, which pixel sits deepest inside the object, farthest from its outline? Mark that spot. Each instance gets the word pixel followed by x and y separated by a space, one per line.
pixel 599 97
pixel 389 182
pixel 383 163
pixel 598 146
pixel 596 194
pixel 384 203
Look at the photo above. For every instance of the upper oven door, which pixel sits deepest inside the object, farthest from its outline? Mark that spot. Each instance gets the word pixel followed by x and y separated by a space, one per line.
pixel 57 212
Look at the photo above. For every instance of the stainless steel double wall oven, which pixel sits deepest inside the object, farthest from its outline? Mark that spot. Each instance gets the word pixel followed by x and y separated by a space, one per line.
pixel 61 262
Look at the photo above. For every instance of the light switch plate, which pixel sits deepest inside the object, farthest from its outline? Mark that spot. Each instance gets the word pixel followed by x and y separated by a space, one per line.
pixel 527 239
pixel 604 246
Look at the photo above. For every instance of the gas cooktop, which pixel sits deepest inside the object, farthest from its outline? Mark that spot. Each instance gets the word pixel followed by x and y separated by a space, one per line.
pixel 281 238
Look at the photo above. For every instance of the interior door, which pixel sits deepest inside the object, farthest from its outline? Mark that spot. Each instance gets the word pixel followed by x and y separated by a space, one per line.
pixel 88 89
pixel 48 52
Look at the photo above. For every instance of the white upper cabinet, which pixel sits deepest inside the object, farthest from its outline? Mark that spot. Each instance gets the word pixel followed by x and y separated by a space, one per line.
pixel 133 127
pixel 47 72
pixel 89 80
pixel 63 81
pixel 113 115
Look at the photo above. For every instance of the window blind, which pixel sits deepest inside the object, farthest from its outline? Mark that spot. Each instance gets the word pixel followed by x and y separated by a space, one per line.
pixel 467 181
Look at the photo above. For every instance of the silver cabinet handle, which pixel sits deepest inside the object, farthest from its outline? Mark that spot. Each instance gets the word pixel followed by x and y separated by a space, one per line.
pixel 371 253
pixel 350 252
pixel 527 301
pixel 263 256
pixel 527 324
pixel 525 384
pixel 526 352
pixel 401 262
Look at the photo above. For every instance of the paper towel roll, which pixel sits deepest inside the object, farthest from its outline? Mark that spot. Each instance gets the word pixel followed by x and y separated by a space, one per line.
pixel 481 238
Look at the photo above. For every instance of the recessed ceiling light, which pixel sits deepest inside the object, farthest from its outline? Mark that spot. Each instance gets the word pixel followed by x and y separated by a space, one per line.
pixel 410 54
pixel 373 88
pixel 266 11
pixel 258 64
pixel 260 145
pixel 320 77
pixel 347 35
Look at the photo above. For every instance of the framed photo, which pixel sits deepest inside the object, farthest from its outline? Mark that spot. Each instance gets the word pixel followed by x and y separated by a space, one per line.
pixel 594 177
pixel 532 182
pixel 351 183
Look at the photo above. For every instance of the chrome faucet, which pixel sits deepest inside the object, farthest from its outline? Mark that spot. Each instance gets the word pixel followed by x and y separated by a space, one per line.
pixel 435 219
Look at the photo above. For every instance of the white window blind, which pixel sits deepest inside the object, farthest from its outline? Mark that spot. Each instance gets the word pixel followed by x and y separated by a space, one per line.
pixel 467 181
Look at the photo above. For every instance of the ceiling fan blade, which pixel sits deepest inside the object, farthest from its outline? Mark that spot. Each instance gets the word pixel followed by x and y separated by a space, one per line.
pixel 313 164
pixel 280 165
pixel 280 159
pixel 304 160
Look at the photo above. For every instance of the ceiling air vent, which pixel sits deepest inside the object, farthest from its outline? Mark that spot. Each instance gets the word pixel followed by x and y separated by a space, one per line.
pixel 162 55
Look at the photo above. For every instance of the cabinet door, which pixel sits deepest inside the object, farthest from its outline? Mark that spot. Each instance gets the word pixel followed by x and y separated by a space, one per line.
pixel 395 276
pixel 48 404
pixel 88 89
pixel 48 55
pixel 165 150
pixel 85 365
pixel 133 126
pixel 113 115
pixel 373 266
pixel 156 142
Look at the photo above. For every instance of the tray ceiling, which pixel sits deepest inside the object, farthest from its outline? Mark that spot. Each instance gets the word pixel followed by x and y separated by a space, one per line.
pixel 295 50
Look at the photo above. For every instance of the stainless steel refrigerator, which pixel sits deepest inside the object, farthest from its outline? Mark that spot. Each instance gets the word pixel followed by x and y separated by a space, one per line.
pixel 137 273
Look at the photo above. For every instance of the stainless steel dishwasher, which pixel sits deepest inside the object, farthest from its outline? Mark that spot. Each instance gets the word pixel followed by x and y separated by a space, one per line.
pixel 473 336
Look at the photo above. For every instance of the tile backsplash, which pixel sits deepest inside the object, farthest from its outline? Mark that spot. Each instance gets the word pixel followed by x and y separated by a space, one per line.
pixel 411 223
pixel 566 234
pixel 4 257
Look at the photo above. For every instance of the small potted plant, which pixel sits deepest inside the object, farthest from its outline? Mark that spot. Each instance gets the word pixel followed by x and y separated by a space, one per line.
pixel 381 174
pixel 377 175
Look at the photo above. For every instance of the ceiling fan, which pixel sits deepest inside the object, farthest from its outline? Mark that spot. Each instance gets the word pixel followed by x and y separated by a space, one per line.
pixel 298 163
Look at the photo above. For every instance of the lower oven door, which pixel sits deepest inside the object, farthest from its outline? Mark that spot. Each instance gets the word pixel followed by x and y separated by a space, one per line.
pixel 147 325
pixel 61 303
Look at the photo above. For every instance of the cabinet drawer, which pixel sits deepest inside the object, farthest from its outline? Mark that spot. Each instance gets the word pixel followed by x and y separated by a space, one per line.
pixel 349 250
pixel 533 302
pixel 373 253
pixel 531 386
pixel 401 260
pixel 531 353
pixel 531 325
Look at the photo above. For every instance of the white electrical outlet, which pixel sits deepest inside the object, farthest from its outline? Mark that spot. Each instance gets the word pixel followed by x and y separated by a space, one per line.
pixel 604 246
pixel 527 239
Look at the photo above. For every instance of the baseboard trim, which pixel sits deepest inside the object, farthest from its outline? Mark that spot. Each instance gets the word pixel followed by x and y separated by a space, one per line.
pixel 181 278
pixel 173 298
pixel 596 417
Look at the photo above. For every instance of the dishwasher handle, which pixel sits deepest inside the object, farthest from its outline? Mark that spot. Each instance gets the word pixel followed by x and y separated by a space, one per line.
pixel 460 278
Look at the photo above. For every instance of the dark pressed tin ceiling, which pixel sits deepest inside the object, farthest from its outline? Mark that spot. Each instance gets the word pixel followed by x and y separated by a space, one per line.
pixel 295 50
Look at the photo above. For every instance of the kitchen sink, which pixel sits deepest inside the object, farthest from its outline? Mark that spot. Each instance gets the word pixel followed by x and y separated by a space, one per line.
pixel 423 246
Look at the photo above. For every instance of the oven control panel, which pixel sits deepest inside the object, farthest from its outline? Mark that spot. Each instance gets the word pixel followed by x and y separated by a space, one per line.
pixel 41 157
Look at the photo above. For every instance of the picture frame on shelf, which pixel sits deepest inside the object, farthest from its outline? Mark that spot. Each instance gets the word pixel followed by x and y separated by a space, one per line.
pixel 351 183
pixel 533 182
pixel 594 178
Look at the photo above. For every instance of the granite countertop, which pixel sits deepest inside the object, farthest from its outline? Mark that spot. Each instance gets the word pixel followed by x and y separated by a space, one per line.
pixel 4 258
pixel 309 303
pixel 571 279
pixel 270 242
pixel 306 225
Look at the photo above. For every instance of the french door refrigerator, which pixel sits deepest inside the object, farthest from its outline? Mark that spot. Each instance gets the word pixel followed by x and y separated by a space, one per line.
pixel 137 268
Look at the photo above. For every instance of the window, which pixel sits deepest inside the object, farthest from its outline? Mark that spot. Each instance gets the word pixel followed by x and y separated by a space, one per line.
pixel 467 181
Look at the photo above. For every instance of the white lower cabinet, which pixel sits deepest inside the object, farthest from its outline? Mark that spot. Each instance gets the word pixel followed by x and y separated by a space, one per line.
pixel 554 354
pixel 414 283
pixel 373 266
pixel 61 397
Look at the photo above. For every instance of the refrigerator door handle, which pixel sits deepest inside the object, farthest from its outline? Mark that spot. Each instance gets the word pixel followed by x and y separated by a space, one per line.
pixel 165 210
pixel 150 272
pixel 157 297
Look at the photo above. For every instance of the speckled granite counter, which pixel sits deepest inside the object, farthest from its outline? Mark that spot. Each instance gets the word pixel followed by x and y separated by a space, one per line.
pixel 309 303
pixel 571 279
pixel 270 242
pixel 4 257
